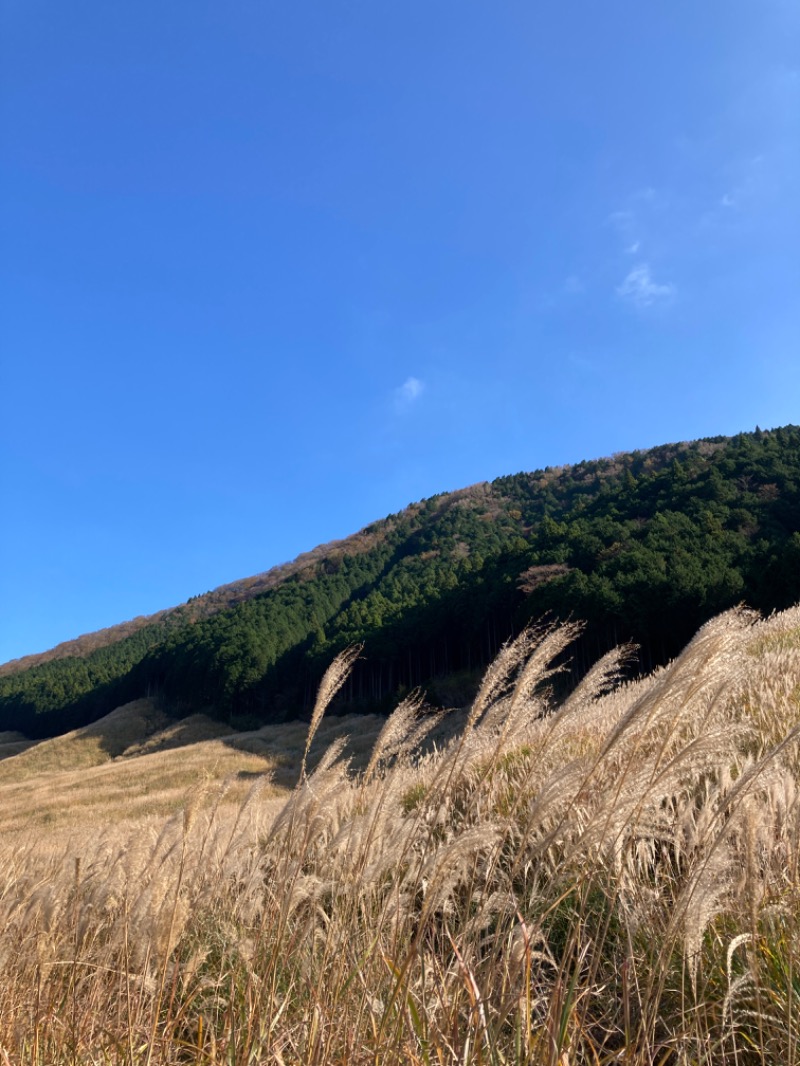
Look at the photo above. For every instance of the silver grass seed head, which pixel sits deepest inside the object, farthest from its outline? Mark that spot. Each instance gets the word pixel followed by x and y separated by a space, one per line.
pixel 332 681
pixel 537 667
pixel 498 676
pixel 395 731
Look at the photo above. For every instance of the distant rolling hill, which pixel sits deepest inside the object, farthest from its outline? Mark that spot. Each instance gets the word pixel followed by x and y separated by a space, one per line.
pixel 136 763
pixel 643 546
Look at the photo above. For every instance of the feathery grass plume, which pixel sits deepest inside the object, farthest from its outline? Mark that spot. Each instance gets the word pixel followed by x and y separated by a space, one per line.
pixel 330 756
pixel 333 679
pixel 600 679
pixel 194 799
pixel 498 677
pixel 622 883
pixel 490 709
pixel 505 717
pixel 397 728
pixel 415 740
pixel 705 666
pixel 537 667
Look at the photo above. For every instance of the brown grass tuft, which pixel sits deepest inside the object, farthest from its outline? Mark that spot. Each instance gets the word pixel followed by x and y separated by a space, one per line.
pixel 615 879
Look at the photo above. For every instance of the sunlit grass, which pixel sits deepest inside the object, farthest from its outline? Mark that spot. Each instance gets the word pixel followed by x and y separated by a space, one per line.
pixel 612 880
pixel 137 763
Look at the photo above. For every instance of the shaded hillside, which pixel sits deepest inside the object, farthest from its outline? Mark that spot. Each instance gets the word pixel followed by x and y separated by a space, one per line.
pixel 643 546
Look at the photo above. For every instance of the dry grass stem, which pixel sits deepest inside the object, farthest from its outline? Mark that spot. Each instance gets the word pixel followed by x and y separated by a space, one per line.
pixel 611 879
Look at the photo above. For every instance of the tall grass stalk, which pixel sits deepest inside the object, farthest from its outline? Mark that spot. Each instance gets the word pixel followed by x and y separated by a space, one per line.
pixel 612 879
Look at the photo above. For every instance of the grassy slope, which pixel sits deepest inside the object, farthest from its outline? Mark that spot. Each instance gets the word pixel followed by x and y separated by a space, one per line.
pixel 12 743
pixel 136 762
pixel 616 879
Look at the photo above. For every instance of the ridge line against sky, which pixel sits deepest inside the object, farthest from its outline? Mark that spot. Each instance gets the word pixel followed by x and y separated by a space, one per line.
pixel 272 272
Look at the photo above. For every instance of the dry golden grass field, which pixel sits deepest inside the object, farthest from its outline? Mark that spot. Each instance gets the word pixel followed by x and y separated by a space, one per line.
pixel 611 879
pixel 135 763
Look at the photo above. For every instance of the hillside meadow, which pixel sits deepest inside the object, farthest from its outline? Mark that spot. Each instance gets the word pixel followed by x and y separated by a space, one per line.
pixel 609 878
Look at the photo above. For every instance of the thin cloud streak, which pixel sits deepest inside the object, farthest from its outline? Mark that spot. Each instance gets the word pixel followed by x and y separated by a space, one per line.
pixel 639 288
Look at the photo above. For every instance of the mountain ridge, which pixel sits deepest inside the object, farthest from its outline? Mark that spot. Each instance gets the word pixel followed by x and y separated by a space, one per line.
pixel 214 600
pixel 644 545
pixel 199 606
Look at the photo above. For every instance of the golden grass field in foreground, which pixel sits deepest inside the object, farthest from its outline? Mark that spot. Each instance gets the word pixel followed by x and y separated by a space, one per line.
pixel 611 880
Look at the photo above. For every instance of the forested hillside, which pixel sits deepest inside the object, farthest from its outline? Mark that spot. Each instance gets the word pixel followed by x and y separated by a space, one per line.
pixel 642 546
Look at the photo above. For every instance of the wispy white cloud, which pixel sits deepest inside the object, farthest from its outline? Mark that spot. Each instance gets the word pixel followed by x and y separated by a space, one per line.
pixel 574 285
pixel 633 248
pixel 727 201
pixel 640 289
pixel 408 393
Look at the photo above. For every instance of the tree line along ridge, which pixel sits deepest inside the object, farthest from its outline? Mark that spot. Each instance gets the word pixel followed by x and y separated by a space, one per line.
pixel 643 546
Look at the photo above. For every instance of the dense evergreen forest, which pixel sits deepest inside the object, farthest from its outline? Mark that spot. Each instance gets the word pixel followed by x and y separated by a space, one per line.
pixel 642 546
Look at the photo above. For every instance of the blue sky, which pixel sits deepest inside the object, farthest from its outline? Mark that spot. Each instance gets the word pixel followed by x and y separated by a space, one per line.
pixel 271 271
